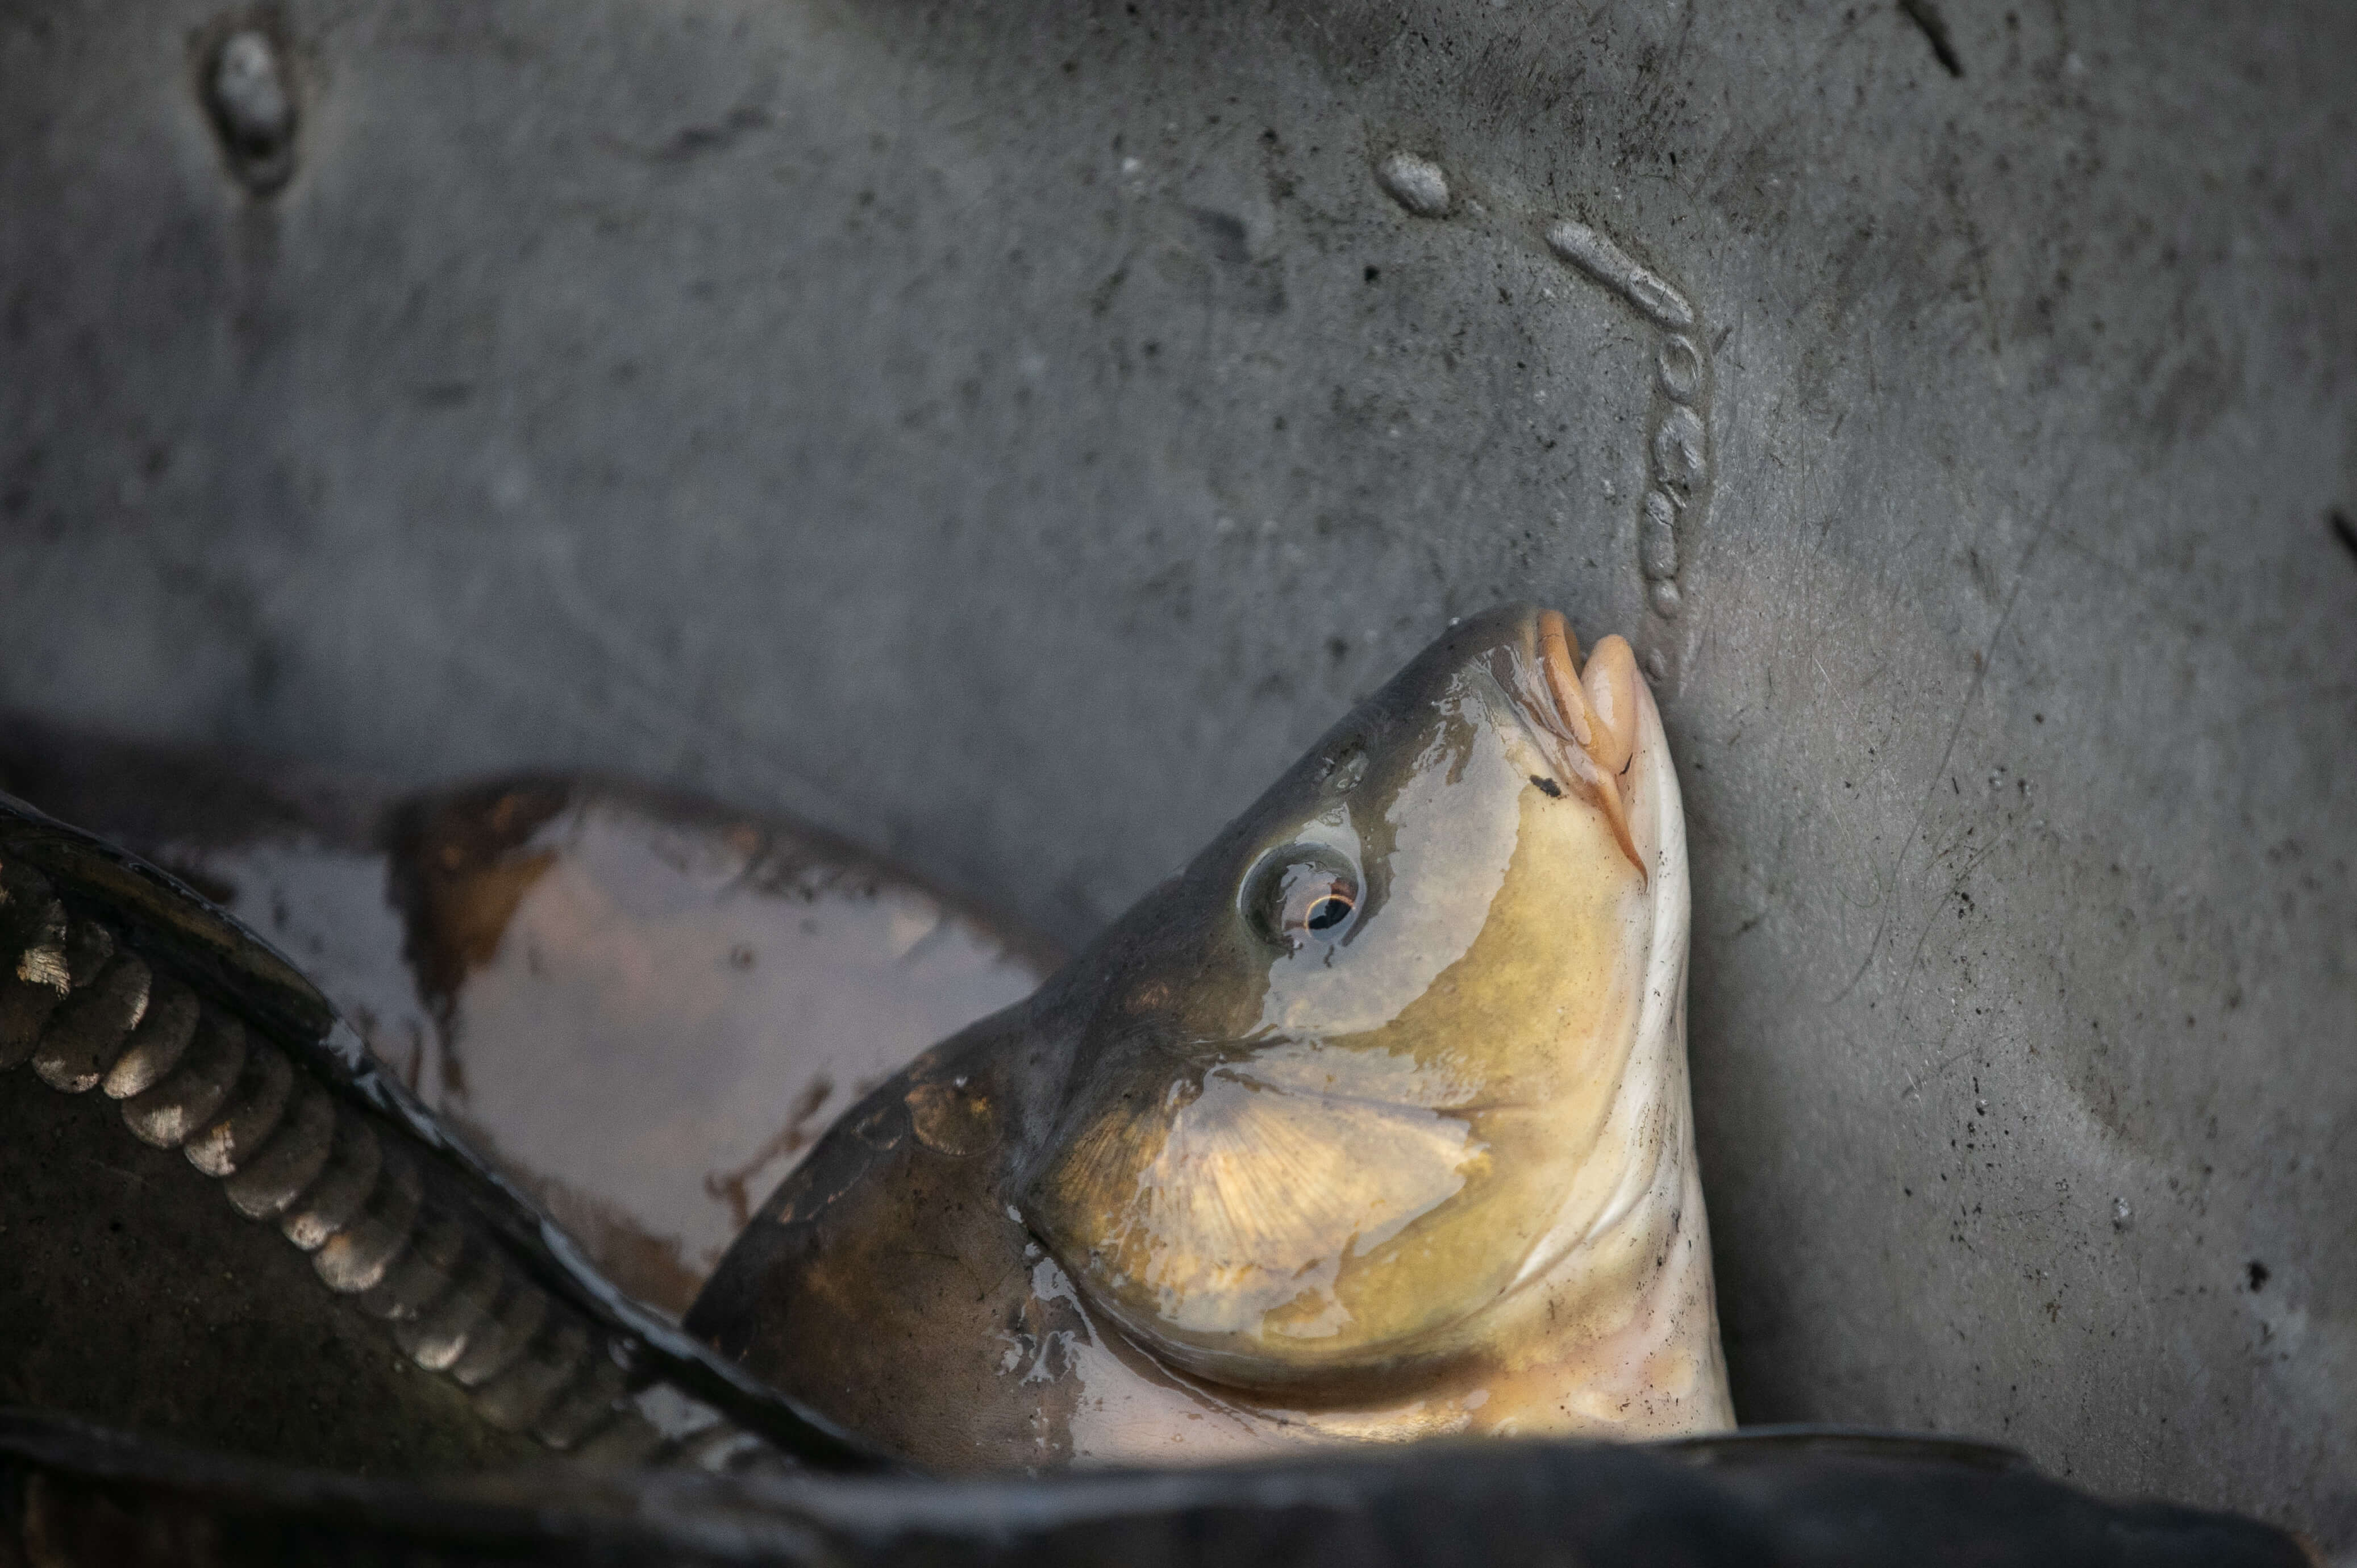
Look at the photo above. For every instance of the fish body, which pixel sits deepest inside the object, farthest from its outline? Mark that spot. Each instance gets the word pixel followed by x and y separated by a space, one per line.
pixel 1370 1123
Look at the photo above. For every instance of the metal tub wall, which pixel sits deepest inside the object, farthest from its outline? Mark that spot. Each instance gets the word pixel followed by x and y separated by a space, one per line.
pixel 1009 434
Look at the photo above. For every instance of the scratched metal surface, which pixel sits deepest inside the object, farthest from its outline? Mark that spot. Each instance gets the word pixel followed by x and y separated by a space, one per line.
pixel 1007 434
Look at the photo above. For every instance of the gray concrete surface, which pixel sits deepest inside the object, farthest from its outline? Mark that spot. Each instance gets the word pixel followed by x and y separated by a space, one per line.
pixel 1008 432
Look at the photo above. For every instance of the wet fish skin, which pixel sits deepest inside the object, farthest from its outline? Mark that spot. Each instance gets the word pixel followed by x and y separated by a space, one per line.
pixel 136 1293
pixel 1220 1188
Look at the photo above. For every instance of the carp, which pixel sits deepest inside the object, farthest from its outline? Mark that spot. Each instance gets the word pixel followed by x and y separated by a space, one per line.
pixel 1372 1122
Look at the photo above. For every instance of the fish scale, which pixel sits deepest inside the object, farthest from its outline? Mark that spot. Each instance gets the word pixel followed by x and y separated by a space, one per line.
pixel 86 1012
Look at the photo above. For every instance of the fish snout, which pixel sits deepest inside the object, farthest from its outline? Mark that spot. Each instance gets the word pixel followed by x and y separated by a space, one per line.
pixel 1585 714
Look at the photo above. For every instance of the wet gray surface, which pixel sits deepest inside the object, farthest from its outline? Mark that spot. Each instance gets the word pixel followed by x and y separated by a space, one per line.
pixel 1007 435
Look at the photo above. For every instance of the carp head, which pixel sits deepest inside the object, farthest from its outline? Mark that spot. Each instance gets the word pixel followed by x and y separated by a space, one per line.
pixel 1371 1123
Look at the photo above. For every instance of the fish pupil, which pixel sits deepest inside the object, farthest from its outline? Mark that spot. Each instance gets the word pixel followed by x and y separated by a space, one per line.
pixel 1328 912
pixel 1301 894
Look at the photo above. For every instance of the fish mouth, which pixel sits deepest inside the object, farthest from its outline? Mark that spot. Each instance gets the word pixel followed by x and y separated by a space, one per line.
pixel 1583 714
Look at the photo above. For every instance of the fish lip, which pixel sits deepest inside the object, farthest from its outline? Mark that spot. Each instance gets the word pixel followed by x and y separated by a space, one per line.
pixel 1532 672
pixel 1552 745
pixel 1523 682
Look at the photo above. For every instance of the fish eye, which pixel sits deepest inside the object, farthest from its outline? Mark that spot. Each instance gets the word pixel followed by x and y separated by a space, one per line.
pixel 1302 894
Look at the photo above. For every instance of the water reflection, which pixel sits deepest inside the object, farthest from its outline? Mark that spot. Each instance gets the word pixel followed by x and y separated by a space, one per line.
pixel 649 1008
pixel 643 1007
